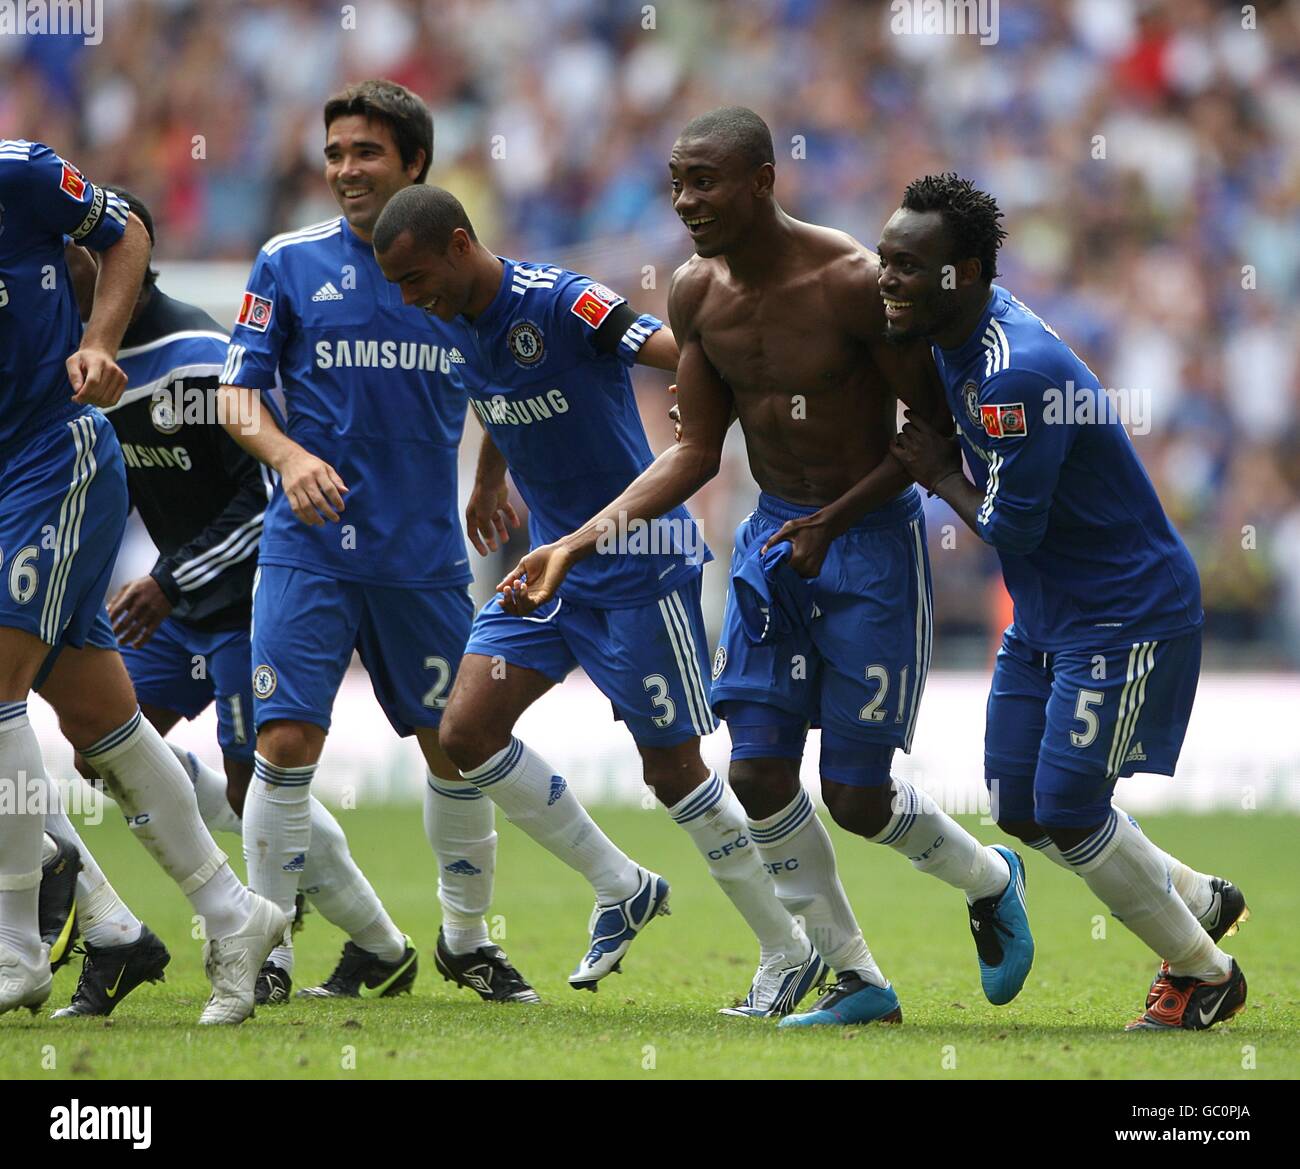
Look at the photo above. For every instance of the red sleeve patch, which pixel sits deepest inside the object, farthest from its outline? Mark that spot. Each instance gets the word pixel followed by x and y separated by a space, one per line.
pixel 1004 421
pixel 255 312
pixel 591 308
pixel 73 182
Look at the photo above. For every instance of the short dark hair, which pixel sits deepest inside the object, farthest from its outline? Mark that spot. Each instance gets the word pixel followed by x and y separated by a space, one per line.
pixel 970 214
pixel 739 129
pixel 405 115
pixel 141 212
pixel 430 214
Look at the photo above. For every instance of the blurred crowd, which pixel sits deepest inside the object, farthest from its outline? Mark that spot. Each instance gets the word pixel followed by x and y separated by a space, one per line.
pixel 1146 153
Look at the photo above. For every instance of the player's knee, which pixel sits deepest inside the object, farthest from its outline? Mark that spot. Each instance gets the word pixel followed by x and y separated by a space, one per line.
pixel 1066 837
pixel 468 742
pixel 1026 830
pixel 764 786
pixel 83 725
pixel 287 743
pixel 864 811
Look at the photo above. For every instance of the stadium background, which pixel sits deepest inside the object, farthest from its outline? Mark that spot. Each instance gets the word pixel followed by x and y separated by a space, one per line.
pixel 1171 264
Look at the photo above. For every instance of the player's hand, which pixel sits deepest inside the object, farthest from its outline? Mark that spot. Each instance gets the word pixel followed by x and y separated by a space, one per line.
pixel 675 413
pixel 97 380
pixel 489 517
pixel 925 453
pixel 809 539
pixel 137 609
pixel 312 487
pixel 533 581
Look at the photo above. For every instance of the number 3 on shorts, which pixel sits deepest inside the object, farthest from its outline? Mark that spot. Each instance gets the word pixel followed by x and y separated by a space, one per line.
pixel 665 708
pixel 1085 714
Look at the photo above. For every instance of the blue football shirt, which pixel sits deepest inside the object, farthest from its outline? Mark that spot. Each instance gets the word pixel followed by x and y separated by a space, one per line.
pixel 1088 554
pixel 44 200
pixel 368 388
pixel 564 415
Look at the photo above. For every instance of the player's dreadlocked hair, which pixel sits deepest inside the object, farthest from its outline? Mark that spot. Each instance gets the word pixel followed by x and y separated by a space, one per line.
pixel 430 214
pixel 970 214
pixel 738 128
pixel 397 107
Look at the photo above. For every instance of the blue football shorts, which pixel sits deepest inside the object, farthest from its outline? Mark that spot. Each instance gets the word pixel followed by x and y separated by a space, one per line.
pixel 1062 727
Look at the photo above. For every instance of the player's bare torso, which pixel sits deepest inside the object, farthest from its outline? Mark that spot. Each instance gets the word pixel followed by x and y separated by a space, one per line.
pixel 799 352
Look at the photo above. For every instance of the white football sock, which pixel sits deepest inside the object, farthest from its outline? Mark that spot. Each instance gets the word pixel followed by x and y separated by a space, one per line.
pixel 277 829
pixel 537 800
pixel 21 832
pixel 330 877
pixel 104 917
pixel 155 794
pixel 210 791
pixel 1129 874
pixel 1193 887
pixel 339 889
pixel 714 819
pixel 797 851
pixel 936 844
pixel 458 820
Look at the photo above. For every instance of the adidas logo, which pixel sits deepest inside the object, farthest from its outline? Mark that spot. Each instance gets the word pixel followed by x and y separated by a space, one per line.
pixel 557 789
pixel 455 356
pixel 1137 755
pixel 296 865
pixel 462 868
pixel 327 291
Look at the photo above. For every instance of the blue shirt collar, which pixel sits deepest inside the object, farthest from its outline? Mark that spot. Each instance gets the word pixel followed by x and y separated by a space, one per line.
pixel 974 344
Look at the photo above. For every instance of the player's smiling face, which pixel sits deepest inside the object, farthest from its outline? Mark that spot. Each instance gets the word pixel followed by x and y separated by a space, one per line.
pixel 364 169
pixel 713 194
pixel 915 256
pixel 441 284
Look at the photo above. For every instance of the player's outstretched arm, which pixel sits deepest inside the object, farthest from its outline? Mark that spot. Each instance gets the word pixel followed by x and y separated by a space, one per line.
pixel 313 488
pixel 489 515
pixel 97 379
pixel 676 475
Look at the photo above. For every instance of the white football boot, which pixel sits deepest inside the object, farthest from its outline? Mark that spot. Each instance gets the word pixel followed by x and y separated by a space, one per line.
pixel 779 985
pixel 24 983
pixel 614 928
pixel 232 964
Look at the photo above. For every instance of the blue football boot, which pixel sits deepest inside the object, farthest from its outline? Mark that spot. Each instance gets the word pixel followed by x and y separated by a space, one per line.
pixel 852 1000
pixel 1000 927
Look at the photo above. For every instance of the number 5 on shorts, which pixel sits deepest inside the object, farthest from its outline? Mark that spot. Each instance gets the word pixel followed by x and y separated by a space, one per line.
pixel 1085 714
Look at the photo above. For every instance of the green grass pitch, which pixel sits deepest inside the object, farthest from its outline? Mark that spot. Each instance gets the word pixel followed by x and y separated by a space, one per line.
pixel 658 1019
